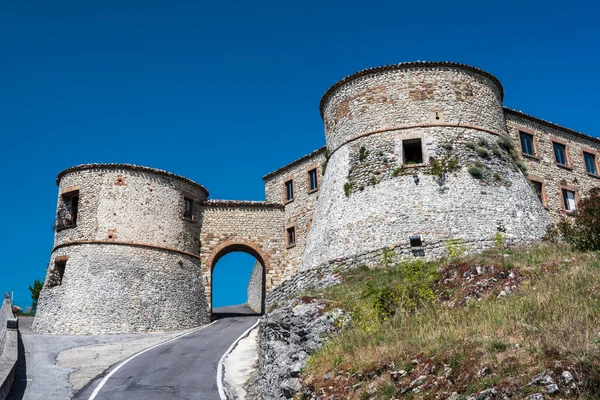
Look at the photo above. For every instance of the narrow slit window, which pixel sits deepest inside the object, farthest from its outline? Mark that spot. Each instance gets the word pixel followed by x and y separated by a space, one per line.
pixel 569 200
pixel 291 236
pixel 313 184
pixel 188 208
pixel 527 144
pixel 560 154
pixel 289 190
pixel 60 266
pixel 413 152
pixel 590 163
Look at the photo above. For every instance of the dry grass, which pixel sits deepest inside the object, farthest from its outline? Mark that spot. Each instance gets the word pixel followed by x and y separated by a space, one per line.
pixel 554 317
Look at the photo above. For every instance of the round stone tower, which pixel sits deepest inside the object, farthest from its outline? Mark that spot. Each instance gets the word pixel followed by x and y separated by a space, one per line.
pixel 126 253
pixel 418 149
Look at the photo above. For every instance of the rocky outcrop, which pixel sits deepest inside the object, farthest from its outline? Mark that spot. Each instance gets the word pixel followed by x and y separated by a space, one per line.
pixel 288 336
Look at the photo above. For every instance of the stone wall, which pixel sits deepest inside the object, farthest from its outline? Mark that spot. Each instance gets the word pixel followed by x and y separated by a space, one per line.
pixel 542 166
pixel 251 227
pixel 8 350
pixel 372 198
pixel 298 213
pixel 131 261
pixel 256 289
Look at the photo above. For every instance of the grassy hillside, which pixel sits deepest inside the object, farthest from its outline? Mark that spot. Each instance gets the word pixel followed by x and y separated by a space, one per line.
pixel 515 322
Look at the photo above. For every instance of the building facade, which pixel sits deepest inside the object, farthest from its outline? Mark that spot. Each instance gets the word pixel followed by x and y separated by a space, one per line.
pixel 415 150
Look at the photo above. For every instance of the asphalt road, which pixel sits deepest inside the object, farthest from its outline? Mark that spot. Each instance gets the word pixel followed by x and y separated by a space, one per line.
pixel 185 368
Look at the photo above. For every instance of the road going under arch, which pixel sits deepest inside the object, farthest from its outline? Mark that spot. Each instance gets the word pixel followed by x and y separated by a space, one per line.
pixel 184 368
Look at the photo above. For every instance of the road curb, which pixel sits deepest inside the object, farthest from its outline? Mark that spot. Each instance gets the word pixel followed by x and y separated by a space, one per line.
pixel 221 367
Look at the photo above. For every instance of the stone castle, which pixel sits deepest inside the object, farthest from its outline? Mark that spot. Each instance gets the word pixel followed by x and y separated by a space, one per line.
pixel 416 154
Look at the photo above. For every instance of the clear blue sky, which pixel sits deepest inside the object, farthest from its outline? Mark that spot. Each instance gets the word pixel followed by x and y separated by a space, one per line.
pixel 225 92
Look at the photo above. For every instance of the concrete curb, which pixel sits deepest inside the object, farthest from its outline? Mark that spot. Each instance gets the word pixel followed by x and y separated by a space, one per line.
pixel 221 367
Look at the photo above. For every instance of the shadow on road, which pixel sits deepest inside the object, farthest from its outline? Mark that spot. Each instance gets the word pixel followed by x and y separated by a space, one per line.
pixel 18 388
pixel 232 311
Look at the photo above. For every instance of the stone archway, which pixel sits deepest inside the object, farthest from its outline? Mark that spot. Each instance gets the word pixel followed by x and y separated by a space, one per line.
pixel 255 228
pixel 257 283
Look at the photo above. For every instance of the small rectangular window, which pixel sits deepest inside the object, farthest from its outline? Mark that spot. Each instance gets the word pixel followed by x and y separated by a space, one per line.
pixel 188 209
pixel 289 190
pixel 527 143
pixel 590 163
pixel 569 200
pixel 413 152
pixel 560 154
pixel 313 184
pixel 60 266
pixel 538 188
pixel 291 236
pixel 68 208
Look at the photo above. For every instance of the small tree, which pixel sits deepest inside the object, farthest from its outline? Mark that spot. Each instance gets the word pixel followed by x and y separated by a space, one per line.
pixel 584 232
pixel 35 293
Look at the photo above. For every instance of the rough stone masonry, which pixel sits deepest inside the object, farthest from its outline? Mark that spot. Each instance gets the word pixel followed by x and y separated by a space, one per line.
pixel 412 149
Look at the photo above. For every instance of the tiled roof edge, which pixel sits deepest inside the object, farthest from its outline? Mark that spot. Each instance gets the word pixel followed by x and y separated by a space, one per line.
pixel 295 162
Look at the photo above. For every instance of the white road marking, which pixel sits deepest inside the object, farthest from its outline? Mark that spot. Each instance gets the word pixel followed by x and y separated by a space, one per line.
pixel 220 366
pixel 107 377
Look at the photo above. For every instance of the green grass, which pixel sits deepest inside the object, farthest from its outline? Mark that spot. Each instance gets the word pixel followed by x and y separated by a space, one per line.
pixel 554 316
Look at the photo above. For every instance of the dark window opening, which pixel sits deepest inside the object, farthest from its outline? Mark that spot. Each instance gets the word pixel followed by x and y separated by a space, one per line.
pixel 590 163
pixel 291 236
pixel 527 143
pixel 188 208
pixel 413 152
pixel 560 154
pixel 538 188
pixel 289 190
pixel 313 184
pixel 60 266
pixel 569 200
pixel 68 207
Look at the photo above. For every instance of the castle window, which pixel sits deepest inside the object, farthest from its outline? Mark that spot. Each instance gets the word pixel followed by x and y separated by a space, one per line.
pixel 560 154
pixel 538 188
pixel 59 267
pixel 590 163
pixel 289 190
pixel 188 209
pixel 413 152
pixel 569 201
pixel 68 208
pixel 313 183
pixel 291 236
pixel 527 144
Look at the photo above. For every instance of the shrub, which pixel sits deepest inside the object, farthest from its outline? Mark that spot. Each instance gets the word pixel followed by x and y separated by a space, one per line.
pixel 522 166
pixel 363 153
pixel 479 164
pixel 584 232
pixel 399 171
pixel 325 161
pixel 497 177
pixel 505 143
pixel 347 189
pixel 475 172
pixel 483 152
pixel 470 145
pixel 447 146
pixel 456 248
pixel 482 142
pixel 496 150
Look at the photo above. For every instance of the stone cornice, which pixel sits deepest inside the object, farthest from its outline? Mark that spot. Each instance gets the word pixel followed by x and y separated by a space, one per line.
pixel 407 65
pixel 295 162
pixel 241 204
pixel 128 167
pixel 552 125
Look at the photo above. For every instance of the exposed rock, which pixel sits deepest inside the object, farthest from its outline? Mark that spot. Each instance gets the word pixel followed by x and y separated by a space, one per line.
pixel 567 377
pixel 287 337
pixel 487 394
pixel 535 396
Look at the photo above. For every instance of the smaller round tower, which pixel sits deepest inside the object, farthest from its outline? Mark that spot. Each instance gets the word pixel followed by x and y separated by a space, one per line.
pixel 126 253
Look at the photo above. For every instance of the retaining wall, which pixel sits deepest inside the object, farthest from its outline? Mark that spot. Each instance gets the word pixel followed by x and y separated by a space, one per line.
pixel 9 347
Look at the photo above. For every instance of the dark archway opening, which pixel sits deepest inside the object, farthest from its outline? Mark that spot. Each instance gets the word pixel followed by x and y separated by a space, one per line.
pixel 237 282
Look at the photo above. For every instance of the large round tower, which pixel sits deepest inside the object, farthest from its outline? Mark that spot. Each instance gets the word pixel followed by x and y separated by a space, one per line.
pixel 126 253
pixel 418 149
